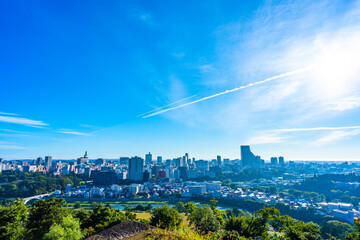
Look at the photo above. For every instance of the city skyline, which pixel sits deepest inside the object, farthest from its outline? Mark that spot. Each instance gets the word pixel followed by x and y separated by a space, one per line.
pixel 123 79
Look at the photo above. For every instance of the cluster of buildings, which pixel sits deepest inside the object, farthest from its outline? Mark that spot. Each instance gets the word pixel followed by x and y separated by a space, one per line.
pixel 189 189
pixel 138 169
pixel 155 177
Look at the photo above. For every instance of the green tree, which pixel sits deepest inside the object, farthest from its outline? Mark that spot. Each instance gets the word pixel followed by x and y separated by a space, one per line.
pixel 68 228
pixel 165 217
pixel 249 227
pixel 12 220
pixel 77 205
pixel 43 214
pixel 180 206
pixel 302 231
pixel 335 228
pixel 102 217
pixel 204 219
pixel 189 208
pixel 355 235
pixel 218 214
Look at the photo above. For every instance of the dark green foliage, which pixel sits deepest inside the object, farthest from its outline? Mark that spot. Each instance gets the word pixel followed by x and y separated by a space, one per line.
pixel 103 217
pixel 355 235
pixel 218 214
pixel 325 184
pixel 249 227
pixel 82 215
pixel 180 207
pixel 34 183
pixel 232 235
pixel 302 231
pixel 165 217
pixel 236 212
pixel 77 205
pixel 204 219
pixel 43 214
pixel 12 219
pixel 140 207
pixel 336 229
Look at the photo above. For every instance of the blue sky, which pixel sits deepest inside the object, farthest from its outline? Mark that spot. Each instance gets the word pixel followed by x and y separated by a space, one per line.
pixel 83 75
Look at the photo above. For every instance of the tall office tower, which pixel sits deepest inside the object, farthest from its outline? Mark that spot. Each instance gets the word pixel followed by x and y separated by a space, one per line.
pixel 136 168
pixel 1 164
pixel 226 161
pixel 218 160
pixel 178 162
pixel 168 162
pixel 247 157
pixel 281 161
pixel 185 159
pixel 38 161
pixel 274 161
pixel 83 160
pixel 48 161
pixel 148 158
pixel 159 160
pixel 86 157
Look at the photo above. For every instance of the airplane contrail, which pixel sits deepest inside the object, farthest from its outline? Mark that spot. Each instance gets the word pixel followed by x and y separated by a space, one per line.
pixel 166 105
pixel 229 91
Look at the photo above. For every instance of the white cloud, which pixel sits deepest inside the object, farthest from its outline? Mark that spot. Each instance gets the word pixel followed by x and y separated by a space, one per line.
pixel 11 114
pixel 10 147
pixel 23 121
pixel 266 139
pixel 337 135
pixel 312 129
pixel 347 103
pixel 230 91
pixel 72 132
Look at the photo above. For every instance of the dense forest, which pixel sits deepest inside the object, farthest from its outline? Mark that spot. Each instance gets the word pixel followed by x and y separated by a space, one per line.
pixel 20 184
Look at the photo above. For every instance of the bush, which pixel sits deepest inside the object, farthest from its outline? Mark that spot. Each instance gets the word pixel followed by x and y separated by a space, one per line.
pixel 204 220
pixel 249 227
pixel 165 217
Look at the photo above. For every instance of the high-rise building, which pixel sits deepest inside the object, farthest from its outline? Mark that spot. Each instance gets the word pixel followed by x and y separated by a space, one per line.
pixel 274 161
pixel 159 160
pixel 83 160
pixel 185 159
pixel 248 159
pixel 218 159
pixel 48 161
pixel 38 161
pixel 178 162
pixel 1 164
pixel 136 168
pixel 281 161
pixel 148 158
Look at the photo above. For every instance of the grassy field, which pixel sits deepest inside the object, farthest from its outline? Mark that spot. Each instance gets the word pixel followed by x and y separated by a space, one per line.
pixel 143 215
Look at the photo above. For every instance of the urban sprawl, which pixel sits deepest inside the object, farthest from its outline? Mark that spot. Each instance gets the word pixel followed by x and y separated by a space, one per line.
pixel 185 178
